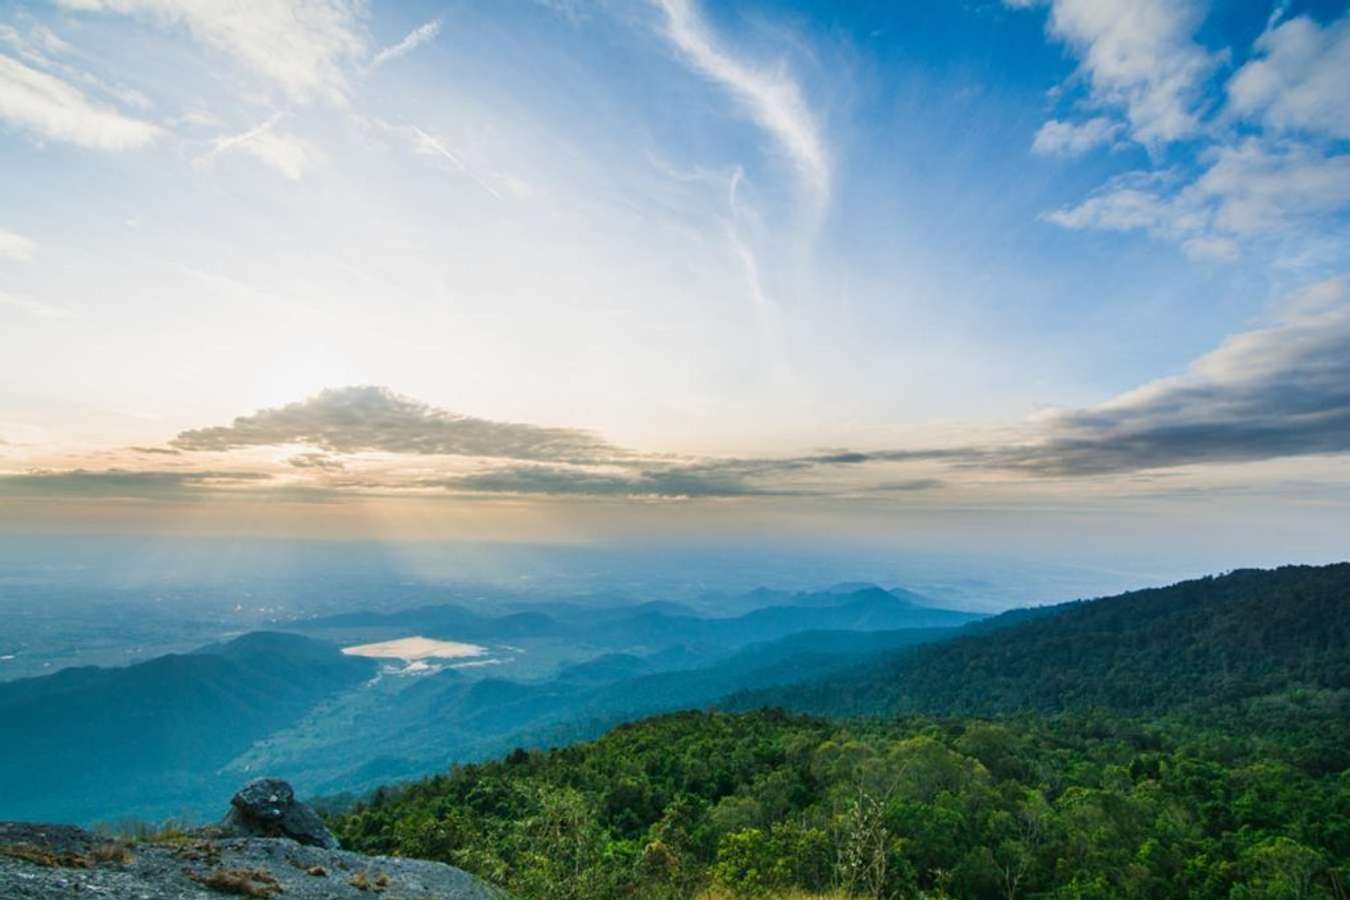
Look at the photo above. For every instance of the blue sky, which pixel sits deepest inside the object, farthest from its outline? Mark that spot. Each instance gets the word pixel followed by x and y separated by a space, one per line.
pixel 678 265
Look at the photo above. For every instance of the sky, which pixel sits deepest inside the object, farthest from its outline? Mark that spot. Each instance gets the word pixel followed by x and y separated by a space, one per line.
pixel 1067 276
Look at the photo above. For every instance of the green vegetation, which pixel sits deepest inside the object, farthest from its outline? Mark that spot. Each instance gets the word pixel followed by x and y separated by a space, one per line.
pixel 1184 742
pixel 1265 654
pixel 761 804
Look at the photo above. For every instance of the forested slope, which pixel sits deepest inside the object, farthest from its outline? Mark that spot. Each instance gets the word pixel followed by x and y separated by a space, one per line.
pixel 1268 648
pixel 1188 741
pixel 765 804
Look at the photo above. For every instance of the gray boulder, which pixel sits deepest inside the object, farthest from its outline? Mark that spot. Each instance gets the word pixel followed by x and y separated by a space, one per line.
pixel 266 807
pixel 264 799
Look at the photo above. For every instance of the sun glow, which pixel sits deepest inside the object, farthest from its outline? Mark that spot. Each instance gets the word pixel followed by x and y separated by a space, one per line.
pixel 303 373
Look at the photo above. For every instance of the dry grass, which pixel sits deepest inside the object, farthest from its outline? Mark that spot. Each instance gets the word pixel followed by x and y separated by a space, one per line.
pixel 363 882
pixel 243 882
pixel 111 852
pixel 43 857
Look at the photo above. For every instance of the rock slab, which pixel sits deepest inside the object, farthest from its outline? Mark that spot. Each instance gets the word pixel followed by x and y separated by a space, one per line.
pixel 44 862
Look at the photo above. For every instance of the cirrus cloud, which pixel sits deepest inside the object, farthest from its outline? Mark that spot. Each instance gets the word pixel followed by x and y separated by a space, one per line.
pixel 47 107
pixel 772 98
pixel 299 45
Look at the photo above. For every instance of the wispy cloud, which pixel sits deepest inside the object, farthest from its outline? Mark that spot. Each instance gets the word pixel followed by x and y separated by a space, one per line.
pixel 420 35
pixel 438 148
pixel 299 45
pixel 35 308
pixel 49 108
pixel 771 97
pixel 286 153
pixel 16 246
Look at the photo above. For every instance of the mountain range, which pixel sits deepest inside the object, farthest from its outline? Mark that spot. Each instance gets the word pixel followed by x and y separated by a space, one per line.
pixel 172 735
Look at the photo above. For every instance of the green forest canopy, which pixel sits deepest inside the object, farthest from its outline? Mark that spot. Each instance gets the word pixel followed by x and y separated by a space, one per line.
pixel 1189 742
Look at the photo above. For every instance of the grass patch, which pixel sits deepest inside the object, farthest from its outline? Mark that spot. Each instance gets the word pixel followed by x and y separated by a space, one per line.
pixel 242 882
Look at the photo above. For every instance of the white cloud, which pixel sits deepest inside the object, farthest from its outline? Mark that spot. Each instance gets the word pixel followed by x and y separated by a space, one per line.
pixel 424 143
pixel 34 308
pixel 1280 185
pixel 1258 188
pixel 1302 80
pixel 1255 189
pixel 772 98
pixel 40 47
pixel 300 45
pixel 286 153
pixel 1138 55
pixel 48 107
pixel 1219 249
pixel 1056 138
pixel 1118 208
pixel 33 46
pixel 414 39
pixel 16 246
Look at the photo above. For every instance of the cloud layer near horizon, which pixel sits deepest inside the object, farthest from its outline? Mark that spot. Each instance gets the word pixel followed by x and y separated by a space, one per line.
pixel 1263 394
pixel 369 418
pixel 1269 393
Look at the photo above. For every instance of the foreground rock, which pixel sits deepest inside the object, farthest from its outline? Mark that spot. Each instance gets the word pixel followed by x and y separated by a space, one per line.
pixel 266 807
pixel 49 861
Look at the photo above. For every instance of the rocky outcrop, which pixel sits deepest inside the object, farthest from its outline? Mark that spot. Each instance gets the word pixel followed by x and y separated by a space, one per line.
pixel 269 844
pixel 266 807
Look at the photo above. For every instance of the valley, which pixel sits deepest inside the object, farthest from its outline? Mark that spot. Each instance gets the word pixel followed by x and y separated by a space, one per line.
pixel 391 695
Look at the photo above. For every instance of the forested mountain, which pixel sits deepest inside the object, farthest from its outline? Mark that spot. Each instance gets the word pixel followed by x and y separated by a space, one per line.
pixel 85 741
pixel 768 805
pixel 1188 741
pixel 1192 646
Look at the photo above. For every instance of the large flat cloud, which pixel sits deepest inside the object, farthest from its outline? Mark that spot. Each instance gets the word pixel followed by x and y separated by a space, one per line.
pixel 361 419
pixel 1274 392
pixel 665 482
